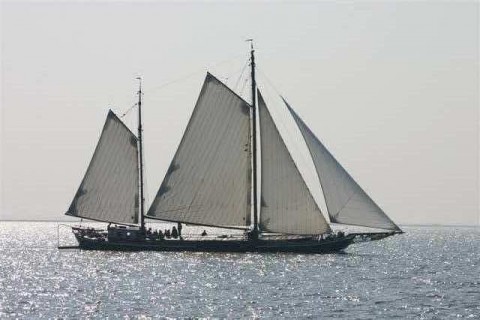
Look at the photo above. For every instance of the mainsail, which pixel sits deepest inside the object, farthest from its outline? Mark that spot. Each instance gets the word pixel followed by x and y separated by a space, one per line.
pixel 287 205
pixel 109 189
pixel 208 181
pixel 346 201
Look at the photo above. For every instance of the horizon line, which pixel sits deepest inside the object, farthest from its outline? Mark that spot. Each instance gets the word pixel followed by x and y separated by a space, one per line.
pixel 406 225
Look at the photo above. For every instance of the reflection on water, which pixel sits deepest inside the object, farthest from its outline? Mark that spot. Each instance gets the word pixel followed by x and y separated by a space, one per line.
pixel 426 273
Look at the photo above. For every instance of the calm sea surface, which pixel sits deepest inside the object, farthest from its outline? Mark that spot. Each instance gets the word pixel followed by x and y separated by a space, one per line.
pixel 427 273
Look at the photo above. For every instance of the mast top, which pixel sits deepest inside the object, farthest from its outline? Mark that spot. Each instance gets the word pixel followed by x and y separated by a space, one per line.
pixel 139 84
pixel 251 46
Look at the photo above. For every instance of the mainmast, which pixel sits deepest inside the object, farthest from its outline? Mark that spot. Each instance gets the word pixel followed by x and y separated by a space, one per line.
pixel 142 198
pixel 254 141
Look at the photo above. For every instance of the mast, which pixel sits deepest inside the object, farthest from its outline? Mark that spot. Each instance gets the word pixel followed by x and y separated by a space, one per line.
pixel 254 141
pixel 142 198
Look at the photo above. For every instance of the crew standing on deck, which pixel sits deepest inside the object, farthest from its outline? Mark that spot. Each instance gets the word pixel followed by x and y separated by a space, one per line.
pixel 179 227
pixel 174 233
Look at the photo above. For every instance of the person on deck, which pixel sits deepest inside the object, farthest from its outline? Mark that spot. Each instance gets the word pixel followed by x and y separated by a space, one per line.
pixel 167 233
pixel 174 233
pixel 204 233
pixel 179 229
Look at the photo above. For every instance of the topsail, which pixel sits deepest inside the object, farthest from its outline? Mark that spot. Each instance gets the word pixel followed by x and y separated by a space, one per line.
pixel 109 189
pixel 346 201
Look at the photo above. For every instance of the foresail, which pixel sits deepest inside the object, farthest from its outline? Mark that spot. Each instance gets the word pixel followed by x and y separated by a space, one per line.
pixel 346 201
pixel 208 181
pixel 287 205
pixel 109 189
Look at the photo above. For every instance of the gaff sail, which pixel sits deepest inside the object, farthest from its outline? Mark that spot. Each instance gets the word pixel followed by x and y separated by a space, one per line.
pixel 110 187
pixel 209 179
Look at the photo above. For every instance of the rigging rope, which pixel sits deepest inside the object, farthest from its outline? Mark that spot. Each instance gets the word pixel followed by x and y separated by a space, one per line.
pixel 232 74
pixel 189 75
pixel 240 76
pixel 128 110
pixel 243 87
pixel 269 81
pixel 184 77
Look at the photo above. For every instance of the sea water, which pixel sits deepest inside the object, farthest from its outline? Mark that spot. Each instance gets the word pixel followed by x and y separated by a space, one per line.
pixel 426 273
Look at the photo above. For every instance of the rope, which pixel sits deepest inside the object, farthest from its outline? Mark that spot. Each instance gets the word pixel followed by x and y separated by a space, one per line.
pixel 128 110
pixel 189 75
pixel 269 82
pixel 243 87
pixel 233 73
pixel 240 76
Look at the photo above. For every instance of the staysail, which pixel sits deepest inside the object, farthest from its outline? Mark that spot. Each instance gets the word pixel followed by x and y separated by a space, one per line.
pixel 287 205
pixel 109 189
pixel 346 201
pixel 208 181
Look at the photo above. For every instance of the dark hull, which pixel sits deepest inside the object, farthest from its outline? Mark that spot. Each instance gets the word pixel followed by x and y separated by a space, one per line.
pixel 295 246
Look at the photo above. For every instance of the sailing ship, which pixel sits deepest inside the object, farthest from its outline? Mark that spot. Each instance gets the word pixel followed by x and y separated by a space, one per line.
pixel 212 181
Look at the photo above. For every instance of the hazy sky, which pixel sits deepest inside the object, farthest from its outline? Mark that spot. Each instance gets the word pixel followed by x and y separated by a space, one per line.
pixel 392 89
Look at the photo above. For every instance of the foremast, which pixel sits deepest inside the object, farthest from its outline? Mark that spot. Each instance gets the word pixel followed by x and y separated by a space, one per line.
pixel 255 232
pixel 140 155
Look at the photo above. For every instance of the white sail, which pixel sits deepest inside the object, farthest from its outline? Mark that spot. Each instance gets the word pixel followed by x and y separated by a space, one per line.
pixel 208 181
pixel 346 201
pixel 110 187
pixel 287 205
